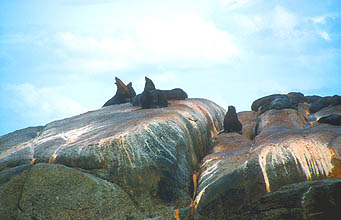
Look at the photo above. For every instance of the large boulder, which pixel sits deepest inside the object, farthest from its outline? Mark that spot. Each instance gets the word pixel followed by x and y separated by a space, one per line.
pixel 310 200
pixel 46 191
pixel 151 154
pixel 239 173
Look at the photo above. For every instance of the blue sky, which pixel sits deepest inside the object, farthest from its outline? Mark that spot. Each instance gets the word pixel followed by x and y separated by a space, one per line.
pixel 59 58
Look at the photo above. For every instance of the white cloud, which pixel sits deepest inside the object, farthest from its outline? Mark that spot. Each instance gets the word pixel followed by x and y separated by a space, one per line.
pixel 319 20
pixel 234 4
pixel 283 22
pixel 325 35
pixel 41 105
pixel 179 38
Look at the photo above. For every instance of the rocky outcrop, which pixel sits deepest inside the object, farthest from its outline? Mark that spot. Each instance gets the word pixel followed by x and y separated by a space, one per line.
pixel 119 152
pixel 124 162
pixel 282 145
pixel 46 191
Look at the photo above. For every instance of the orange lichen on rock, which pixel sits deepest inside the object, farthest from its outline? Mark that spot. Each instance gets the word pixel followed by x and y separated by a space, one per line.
pixel 33 160
pixel 177 214
pixel 52 159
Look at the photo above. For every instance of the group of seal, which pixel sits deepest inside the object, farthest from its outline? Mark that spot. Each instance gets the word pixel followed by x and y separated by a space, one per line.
pixel 149 98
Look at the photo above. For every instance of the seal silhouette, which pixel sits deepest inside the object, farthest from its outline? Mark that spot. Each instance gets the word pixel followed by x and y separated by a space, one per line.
pixel 123 94
pixel 153 98
pixel 231 122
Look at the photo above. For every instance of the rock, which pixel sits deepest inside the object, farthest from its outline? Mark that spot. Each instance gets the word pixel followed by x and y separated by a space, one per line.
pixel 325 102
pixel 47 191
pixel 331 119
pixel 238 173
pixel 17 138
pixel 292 100
pixel 151 154
pixel 22 153
pixel 286 118
pixel 248 120
pixel 319 199
pixel 311 99
pixel 124 94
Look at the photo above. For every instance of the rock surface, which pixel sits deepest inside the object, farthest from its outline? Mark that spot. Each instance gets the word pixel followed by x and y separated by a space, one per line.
pixel 46 191
pixel 239 179
pixel 148 154
pixel 121 162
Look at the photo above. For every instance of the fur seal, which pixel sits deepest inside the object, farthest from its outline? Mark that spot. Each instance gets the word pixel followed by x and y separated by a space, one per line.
pixel 153 98
pixel 176 94
pixel 123 94
pixel 148 86
pixel 231 122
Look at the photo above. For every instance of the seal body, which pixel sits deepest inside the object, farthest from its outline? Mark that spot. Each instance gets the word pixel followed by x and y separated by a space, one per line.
pixel 231 122
pixel 123 94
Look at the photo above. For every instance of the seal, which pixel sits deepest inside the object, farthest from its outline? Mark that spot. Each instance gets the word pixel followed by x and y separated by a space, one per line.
pixel 153 98
pixel 231 122
pixel 123 94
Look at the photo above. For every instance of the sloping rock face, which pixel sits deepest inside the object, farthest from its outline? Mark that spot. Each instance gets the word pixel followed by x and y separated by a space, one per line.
pixel 129 163
pixel 283 144
pixel 46 191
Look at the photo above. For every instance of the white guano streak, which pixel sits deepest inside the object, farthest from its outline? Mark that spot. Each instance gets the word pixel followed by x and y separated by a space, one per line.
pixel 313 157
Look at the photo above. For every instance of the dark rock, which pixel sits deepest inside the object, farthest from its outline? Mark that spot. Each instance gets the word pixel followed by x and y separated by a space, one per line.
pixel 277 101
pixel 124 94
pixel 331 119
pixel 319 104
pixel 313 200
pixel 312 98
pixel 263 101
pixel 325 102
